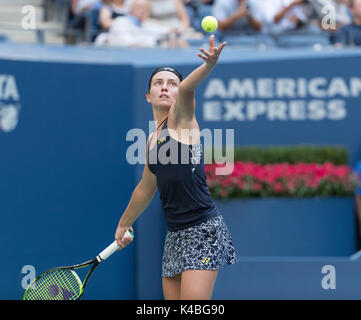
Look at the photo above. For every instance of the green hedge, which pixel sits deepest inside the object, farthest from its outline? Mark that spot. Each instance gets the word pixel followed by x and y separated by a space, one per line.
pixel 290 154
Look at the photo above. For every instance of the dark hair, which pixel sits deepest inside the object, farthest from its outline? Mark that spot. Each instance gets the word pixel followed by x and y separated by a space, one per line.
pixel 164 68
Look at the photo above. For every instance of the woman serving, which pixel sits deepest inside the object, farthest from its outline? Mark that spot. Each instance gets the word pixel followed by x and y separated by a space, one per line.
pixel 198 242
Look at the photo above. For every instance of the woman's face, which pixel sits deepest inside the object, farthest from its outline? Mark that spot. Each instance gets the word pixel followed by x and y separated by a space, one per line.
pixel 163 89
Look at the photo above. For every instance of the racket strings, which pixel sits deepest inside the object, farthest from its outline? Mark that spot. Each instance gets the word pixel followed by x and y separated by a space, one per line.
pixel 58 284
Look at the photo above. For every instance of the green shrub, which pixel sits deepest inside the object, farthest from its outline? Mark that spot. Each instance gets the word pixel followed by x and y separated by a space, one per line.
pixel 290 154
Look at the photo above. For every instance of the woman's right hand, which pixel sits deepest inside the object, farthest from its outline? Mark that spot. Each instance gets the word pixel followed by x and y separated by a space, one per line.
pixel 120 237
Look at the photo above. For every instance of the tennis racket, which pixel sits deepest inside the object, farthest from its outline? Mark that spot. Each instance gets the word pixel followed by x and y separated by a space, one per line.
pixel 63 283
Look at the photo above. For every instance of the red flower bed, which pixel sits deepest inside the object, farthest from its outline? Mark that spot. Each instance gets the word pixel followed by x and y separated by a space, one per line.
pixel 281 180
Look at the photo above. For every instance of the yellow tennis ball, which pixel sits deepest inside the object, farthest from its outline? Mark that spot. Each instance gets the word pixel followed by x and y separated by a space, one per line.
pixel 209 24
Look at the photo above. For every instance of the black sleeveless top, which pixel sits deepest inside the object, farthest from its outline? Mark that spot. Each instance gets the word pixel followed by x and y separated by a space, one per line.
pixel 181 181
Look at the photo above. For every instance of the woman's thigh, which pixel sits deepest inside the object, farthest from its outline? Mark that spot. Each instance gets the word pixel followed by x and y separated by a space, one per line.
pixel 197 284
pixel 172 287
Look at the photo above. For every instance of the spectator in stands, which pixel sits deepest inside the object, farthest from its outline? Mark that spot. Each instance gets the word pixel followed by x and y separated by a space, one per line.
pixel 279 16
pixel 290 14
pixel 136 30
pixel 77 14
pixel 93 27
pixel 350 35
pixel 169 13
pixel 81 6
pixel 234 17
pixel 343 14
pixel 320 7
pixel 341 17
pixel 108 13
pixel 358 203
pixel 77 19
pixel 197 10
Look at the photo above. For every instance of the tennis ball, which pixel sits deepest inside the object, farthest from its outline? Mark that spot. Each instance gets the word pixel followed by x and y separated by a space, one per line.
pixel 209 24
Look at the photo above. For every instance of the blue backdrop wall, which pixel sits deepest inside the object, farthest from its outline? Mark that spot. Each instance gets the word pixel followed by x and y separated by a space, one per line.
pixel 65 115
pixel 64 179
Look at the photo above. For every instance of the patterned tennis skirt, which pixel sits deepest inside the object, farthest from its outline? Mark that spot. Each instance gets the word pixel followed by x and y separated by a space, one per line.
pixel 206 246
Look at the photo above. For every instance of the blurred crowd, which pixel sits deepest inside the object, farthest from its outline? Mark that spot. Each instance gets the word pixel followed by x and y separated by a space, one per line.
pixel 177 23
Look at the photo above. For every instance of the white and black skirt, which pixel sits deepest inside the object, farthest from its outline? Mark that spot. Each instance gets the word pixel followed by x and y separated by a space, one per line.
pixel 206 246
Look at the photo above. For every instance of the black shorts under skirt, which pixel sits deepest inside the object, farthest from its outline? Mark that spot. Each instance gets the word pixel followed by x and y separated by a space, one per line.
pixel 206 246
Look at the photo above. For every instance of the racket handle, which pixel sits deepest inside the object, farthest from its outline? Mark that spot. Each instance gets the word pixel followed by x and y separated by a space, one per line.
pixel 109 250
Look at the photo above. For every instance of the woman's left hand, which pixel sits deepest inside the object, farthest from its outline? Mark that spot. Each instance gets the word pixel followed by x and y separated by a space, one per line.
pixel 212 55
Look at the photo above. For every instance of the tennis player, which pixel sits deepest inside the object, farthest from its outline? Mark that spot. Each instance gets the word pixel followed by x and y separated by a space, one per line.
pixel 198 242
